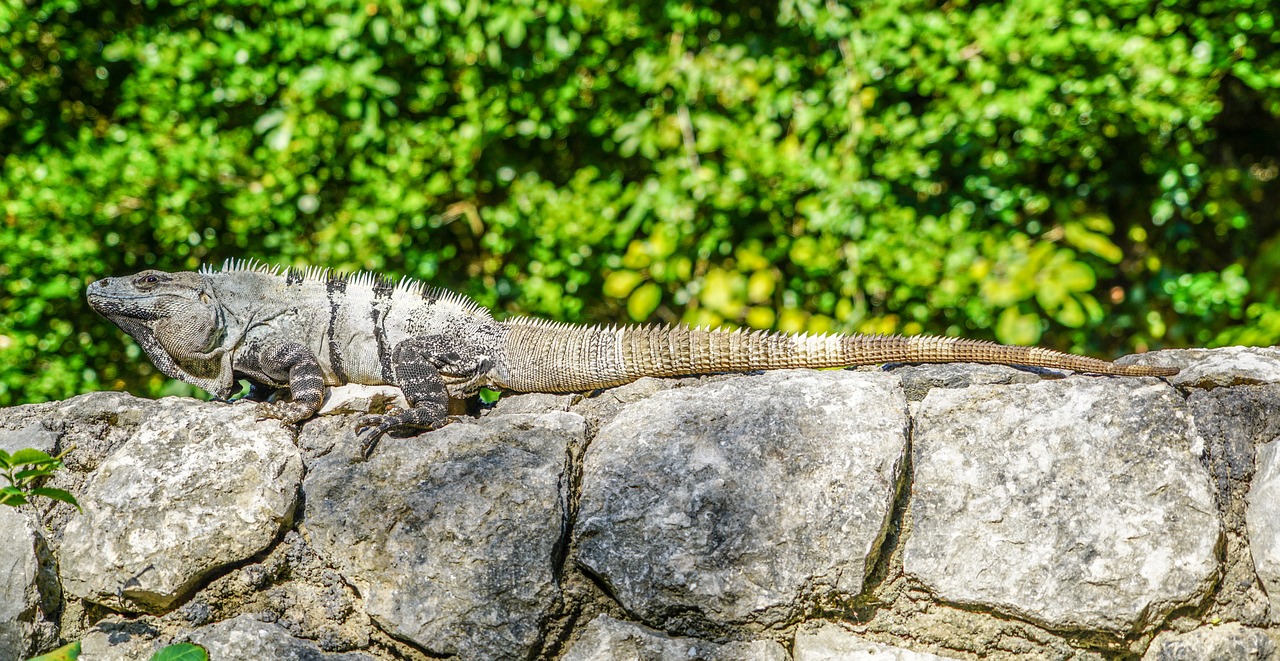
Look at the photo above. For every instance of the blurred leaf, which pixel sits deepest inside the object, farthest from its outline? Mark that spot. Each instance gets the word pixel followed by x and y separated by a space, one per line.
pixel 1014 327
pixel 643 301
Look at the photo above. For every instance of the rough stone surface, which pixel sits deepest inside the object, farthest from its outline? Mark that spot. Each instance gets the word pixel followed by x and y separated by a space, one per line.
pixel 356 398
pixel 195 488
pixel 830 642
pixel 1229 642
pixel 242 638
pixel 740 499
pixel 608 639
pixel 918 380
pixel 1215 368
pixel 33 435
pixel 1088 489
pixel 1263 519
pixel 1234 422
pixel 245 639
pixel 26 598
pixel 453 537
pixel 717 504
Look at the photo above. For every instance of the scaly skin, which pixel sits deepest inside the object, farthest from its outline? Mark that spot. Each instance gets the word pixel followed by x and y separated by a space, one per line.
pixel 308 329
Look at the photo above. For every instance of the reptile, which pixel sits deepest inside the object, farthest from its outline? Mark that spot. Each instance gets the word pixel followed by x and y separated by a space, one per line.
pixel 305 329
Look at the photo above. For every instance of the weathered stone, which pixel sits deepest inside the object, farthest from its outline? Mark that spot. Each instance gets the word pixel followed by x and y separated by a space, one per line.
pixel 1228 642
pixel 830 642
pixel 246 639
pixel 26 597
pixel 1234 422
pixel 608 639
pixel 1263 521
pixel 452 538
pixel 33 435
pixel 119 639
pixel 536 402
pixel 740 499
pixel 356 398
pixel 918 380
pixel 1215 368
pixel 1078 504
pixel 197 487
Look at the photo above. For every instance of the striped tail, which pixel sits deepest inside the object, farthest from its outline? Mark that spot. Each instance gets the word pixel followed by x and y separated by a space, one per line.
pixel 543 356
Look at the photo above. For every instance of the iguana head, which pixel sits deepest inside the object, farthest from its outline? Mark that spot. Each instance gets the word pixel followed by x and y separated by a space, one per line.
pixel 175 319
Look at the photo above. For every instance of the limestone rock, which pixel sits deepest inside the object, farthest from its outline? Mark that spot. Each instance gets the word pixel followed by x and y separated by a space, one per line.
pixel 739 499
pixel 27 598
pixel 1263 521
pixel 918 380
pixel 198 486
pixel 830 642
pixel 1228 642
pixel 246 639
pixel 1078 504
pixel 1233 422
pixel 608 639
pixel 453 538
pixel 356 398
pixel 33 435
pixel 1215 368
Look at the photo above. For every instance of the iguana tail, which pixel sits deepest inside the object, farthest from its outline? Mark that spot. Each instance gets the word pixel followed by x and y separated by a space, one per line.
pixel 542 356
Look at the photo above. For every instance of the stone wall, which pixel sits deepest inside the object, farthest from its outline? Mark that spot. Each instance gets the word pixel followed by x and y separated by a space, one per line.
pixel 951 511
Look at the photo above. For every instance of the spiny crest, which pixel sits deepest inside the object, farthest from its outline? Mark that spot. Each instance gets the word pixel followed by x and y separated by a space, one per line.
pixel 323 275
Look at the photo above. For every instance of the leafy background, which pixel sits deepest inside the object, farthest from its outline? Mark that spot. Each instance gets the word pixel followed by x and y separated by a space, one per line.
pixel 1093 176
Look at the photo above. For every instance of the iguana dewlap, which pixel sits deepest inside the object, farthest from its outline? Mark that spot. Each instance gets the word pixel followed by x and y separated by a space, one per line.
pixel 308 329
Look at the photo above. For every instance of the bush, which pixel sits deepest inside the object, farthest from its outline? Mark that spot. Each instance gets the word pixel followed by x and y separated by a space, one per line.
pixel 1096 177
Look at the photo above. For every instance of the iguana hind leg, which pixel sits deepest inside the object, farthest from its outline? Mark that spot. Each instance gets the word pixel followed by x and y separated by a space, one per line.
pixel 288 363
pixel 424 370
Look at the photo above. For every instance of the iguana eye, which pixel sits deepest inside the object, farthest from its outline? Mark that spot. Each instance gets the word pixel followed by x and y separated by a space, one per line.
pixel 149 280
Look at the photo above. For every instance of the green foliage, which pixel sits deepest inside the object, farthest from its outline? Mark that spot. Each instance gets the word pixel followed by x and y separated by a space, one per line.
pixel 181 652
pixel 1099 177
pixel 68 652
pixel 22 469
pixel 175 652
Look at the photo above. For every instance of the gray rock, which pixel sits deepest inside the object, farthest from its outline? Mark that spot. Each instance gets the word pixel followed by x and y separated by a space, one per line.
pixel 356 398
pixel 608 639
pixel 33 435
pixel 1228 642
pixel 1078 504
pixel 453 538
pixel 830 642
pixel 197 487
pixel 27 599
pixel 918 380
pixel 537 402
pixel 1233 421
pixel 246 639
pixel 1263 521
pixel 739 500
pixel 116 638
pixel 1215 368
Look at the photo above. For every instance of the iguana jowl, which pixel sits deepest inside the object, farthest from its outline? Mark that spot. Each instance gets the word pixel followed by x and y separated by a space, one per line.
pixel 308 329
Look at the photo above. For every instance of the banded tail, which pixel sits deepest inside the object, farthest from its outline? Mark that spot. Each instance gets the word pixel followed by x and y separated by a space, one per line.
pixel 542 356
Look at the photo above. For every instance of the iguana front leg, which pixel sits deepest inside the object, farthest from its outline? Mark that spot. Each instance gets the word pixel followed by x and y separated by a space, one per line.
pixel 425 368
pixel 290 364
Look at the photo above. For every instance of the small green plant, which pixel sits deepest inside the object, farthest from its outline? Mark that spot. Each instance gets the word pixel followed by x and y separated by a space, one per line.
pixel 177 652
pixel 22 469
pixel 68 652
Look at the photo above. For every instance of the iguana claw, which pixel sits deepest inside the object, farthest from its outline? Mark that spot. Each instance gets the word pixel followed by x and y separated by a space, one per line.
pixel 370 428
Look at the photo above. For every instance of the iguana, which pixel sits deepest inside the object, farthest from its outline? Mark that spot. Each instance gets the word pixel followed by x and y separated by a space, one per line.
pixel 305 329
